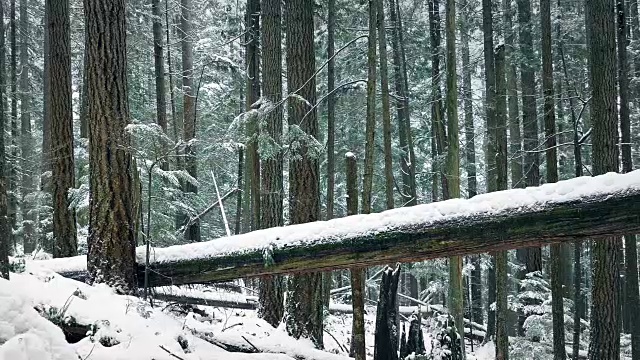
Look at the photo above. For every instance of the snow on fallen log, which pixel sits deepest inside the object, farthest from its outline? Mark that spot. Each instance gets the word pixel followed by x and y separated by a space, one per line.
pixel 586 207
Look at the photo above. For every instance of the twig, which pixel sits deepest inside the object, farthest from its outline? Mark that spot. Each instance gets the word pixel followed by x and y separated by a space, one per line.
pixel 170 353
pixel 230 326
pixel 336 340
pixel 249 342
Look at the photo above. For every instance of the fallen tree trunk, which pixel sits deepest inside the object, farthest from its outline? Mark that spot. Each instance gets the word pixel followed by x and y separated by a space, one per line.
pixel 566 211
pixel 181 299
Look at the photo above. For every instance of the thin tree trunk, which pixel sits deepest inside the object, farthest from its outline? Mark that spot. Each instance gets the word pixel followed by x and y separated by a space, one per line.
pixel 305 306
pixel 437 119
pixel 61 112
pixel 367 178
pixel 84 120
pixel 557 300
pixel 271 288
pixel 357 349
pixel 467 98
pixel 192 233
pixel 5 238
pixel 632 300
pixel 499 152
pixel 26 138
pixel 111 257
pixel 456 303
pixel 386 111
pixel 13 165
pixel 605 317
pixel 158 62
pixel 331 108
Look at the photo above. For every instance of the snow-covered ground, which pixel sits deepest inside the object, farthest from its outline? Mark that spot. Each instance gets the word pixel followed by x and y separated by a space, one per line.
pixel 125 327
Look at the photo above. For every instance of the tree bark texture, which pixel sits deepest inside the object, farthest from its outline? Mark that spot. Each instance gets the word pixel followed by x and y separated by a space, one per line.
pixel 386 334
pixel 386 109
pixel 61 120
pixel 305 291
pixel 111 257
pixel 271 189
pixel 13 166
pixel 331 108
pixel 5 238
pixel 467 93
pixel 367 177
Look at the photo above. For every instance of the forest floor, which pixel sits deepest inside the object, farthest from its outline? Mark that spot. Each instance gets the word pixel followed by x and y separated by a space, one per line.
pixel 101 325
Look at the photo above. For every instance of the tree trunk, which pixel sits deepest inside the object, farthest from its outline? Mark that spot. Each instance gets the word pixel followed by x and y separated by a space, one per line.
pixel 605 317
pixel 407 165
pixel 467 95
pixel 358 348
pixel 456 303
pixel 490 149
pixel 386 111
pixel 305 291
pixel 386 334
pixel 158 62
pixel 515 139
pixel 367 176
pixel 437 120
pixel 111 258
pixel 557 277
pixel 192 233
pixel 632 296
pixel 46 169
pixel 26 138
pixel 61 120
pixel 5 238
pixel 331 108
pixel 271 288
pixel 13 166
pixel 499 152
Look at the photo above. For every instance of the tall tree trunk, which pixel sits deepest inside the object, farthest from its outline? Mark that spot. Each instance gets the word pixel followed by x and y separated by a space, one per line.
pixel 158 62
pixel 557 300
pixel 13 165
pixel 467 98
pixel 475 279
pixel 305 291
pixel 45 161
pixel 84 121
pixel 515 138
pixel 499 152
pixel 456 303
pixel 605 317
pixel 271 292
pixel 357 349
pixel 490 150
pixel 632 300
pixel 331 108
pixel 386 111
pixel 438 133
pixel 111 258
pixel 5 238
pixel 531 258
pixel 402 108
pixel 192 233
pixel 251 207
pixel 367 177
pixel 61 112
pixel 26 138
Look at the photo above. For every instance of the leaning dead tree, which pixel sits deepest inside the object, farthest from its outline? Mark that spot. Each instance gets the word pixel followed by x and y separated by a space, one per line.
pixel 587 207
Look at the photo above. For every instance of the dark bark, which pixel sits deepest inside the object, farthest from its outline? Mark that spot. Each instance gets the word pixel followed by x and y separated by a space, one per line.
pixel 111 257
pixel 13 166
pixel 415 338
pixel 605 311
pixel 84 119
pixel 407 165
pixel 358 348
pixel 158 65
pixel 557 277
pixel 305 291
pixel 251 207
pixel 437 118
pixel 331 108
pixel 386 334
pixel 515 138
pixel 271 288
pixel 61 120
pixel 189 111
pixel 631 292
pixel 500 155
pixel 26 138
pixel 386 111
pixel 467 93
pixel 476 291
pixel 367 175
pixel 5 238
